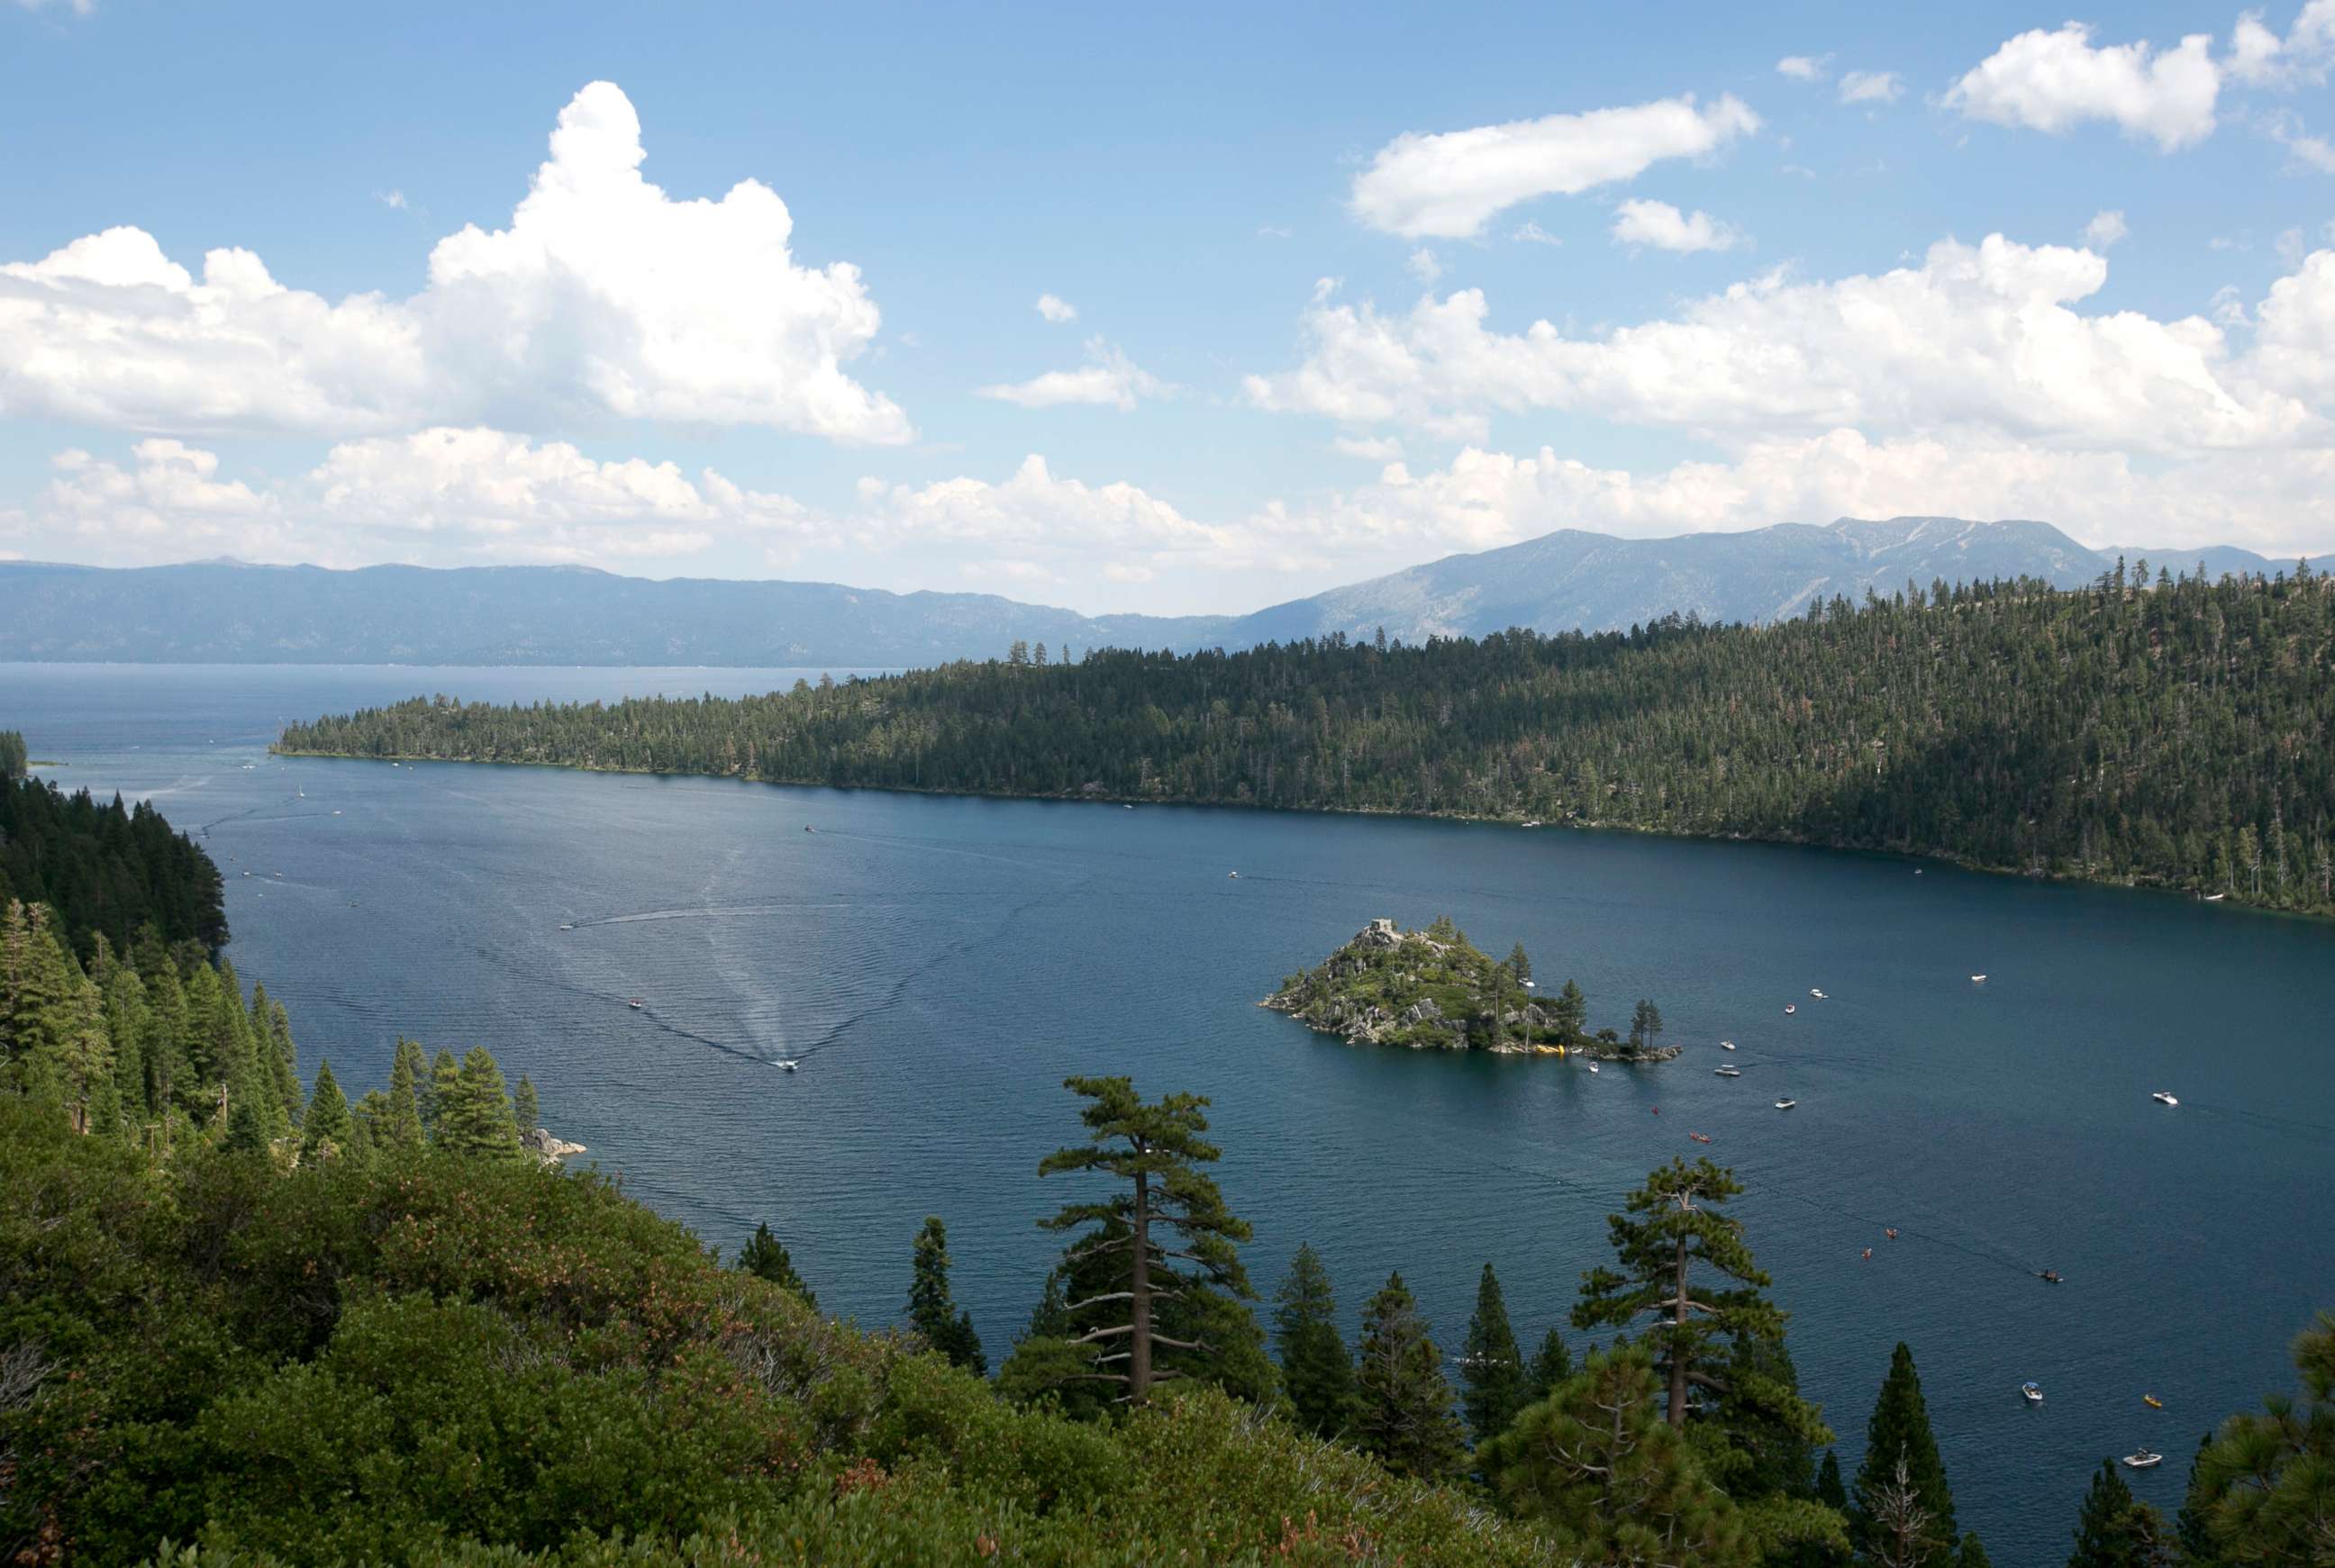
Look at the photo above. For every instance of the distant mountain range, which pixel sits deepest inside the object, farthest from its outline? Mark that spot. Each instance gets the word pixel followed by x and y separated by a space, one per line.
pixel 231 613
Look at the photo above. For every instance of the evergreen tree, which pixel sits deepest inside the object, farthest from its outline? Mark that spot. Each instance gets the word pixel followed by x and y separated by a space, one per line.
pixel 932 1311
pixel 1973 1554
pixel 524 1111
pixel 1405 1415
pixel 443 1084
pixel 765 1257
pixel 1645 1025
pixel 1552 1364
pixel 1673 1230
pixel 327 1131
pixel 2264 1485
pixel 1157 1151
pixel 1829 1490
pixel 399 1125
pixel 1614 1482
pixel 1572 1014
pixel 1316 1369
pixel 1899 1433
pixel 474 1113
pixel 1051 1318
pixel 1491 1364
pixel 247 1128
pixel 2115 1529
pixel 1520 965
pixel 2193 1528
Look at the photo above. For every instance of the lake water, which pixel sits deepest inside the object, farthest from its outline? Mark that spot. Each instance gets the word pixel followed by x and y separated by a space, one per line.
pixel 939 965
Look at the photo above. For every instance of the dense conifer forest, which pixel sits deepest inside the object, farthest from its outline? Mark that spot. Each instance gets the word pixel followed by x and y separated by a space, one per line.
pixel 244 1322
pixel 109 870
pixel 2164 732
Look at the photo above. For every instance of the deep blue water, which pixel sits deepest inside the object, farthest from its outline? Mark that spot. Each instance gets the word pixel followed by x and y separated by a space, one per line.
pixel 939 965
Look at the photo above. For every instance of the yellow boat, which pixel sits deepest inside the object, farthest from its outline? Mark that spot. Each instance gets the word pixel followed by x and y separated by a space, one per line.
pixel 2152 1401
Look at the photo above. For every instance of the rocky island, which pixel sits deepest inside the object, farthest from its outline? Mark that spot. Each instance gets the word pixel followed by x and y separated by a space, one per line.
pixel 1434 989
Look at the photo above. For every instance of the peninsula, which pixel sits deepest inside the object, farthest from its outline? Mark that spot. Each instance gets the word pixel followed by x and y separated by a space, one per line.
pixel 1433 990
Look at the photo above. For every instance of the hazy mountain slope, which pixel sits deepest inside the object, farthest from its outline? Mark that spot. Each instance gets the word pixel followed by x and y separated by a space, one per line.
pixel 1595 582
pixel 228 613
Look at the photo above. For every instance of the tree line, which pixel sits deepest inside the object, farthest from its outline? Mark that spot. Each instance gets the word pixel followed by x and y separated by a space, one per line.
pixel 109 870
pixel 2168 732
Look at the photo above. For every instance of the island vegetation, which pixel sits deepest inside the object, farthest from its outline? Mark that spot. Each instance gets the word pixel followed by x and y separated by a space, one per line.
pixel 2167 731
pixel 245 1321
pixel 1435 989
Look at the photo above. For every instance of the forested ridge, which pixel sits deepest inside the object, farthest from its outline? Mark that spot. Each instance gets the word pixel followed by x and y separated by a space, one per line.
pixel 2165 731
pixel 107 870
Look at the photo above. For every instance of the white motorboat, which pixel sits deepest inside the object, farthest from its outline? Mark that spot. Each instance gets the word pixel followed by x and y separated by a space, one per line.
pixel 635 1002
pixel 1232 874
pixel 2161 1098
pixel 1592 1066
pixel 2143 1460
pixel 787 1064
pixel 1815 993
pixel 2031 1392
pixel 1787 1103
pixel 1791 1007
pixel 1978 979
pixel 1727 1071
pixel 1727 1045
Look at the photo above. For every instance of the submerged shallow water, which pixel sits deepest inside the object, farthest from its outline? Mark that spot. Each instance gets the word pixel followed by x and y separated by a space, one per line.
pixel 939 965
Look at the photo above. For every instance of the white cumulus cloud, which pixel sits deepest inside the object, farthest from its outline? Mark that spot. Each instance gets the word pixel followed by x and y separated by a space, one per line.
pixel 1871 87
pixel 2261 58
pixel 1056 309
pixel 1449 185
pixel 2053 82
pixel 603 295
pixel 1805 67
pixel 1108 378
pixel 1665 228
pixel 2106 229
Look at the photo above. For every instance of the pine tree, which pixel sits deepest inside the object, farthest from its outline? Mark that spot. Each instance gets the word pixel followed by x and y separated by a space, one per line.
pixel 474 1113
pixel 247 1128
pixel 1973 1554
pixel 1520 965
pixel 524 1111
pixel 932 1311
pixel 1552 1364
pixel 2193 1527
pixel 1899 1433
pixel 1681 1231
pixel 765 1257
pixel 2115 1529
pixel 1597 1466
pixel 1645 1025
pixel 1491 1363
pixel 327 1127
pixel 1156 1150
pixel 1572 1014
pixel 1316 1369
pixel 2263 1485
pixel 1405 1415
pixel 400 1125
pixel 444 1083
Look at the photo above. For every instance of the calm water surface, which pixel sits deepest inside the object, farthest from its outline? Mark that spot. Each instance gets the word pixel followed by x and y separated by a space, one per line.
pixel 939 965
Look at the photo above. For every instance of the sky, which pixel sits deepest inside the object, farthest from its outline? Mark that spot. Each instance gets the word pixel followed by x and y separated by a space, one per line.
pixel 1169 309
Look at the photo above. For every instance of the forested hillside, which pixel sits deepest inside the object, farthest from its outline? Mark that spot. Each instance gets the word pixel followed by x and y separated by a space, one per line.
pixel 107 870
pixel 2174 732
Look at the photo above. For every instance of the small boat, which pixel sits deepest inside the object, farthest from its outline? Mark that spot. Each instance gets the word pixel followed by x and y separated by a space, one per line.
pixel 2161 1098
pixel 1532 824
pixel 787 1064
pixel 2048 1276
pixel 2152 1401
pixel 337 811
pixel 1868 1254
pixel 1791 1007
pixel 1978 979
pixel 1787 1103
pixel 1727 1045
pixel 1126 808
pixel 1232 874
pixel 636 1002
pixel 247 874
pixel 1889 1231
pixel 566 925
pixel 2143 1460
pixel 1700 1138
pixel 808 829
pixel 1917 871
pixel 2031 1392
pixel 1815 993
pixel 1592 1066
pixel 1727 1072
pixel 2215 897
pixel 278 874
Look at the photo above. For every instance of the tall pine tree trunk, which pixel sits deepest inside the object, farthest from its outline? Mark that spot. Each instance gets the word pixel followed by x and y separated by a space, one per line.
pixel 1138 1343
pixel 1677 1345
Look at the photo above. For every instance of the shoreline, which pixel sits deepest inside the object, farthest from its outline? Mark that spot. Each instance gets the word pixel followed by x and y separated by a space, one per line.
pixel 2232 900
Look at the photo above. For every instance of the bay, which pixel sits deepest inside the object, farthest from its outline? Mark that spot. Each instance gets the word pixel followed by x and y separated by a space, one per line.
pixel 939 965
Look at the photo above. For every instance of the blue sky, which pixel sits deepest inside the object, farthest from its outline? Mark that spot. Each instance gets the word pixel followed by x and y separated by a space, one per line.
pixel 1354 287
